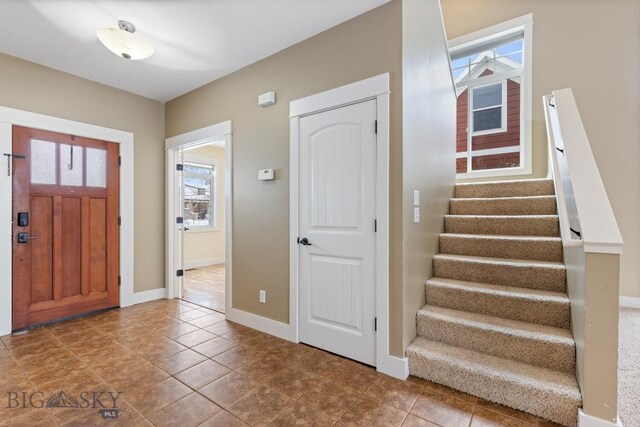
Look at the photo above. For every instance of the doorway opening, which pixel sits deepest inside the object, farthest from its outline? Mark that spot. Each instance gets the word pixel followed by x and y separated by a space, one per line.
pixel 199 217
pixel 203 224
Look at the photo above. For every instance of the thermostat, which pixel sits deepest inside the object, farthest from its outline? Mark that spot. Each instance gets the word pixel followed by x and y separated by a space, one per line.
pixel 266 175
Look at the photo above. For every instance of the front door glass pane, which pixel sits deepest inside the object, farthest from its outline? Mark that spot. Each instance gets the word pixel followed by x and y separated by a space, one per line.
pixel 96 168
pixel 70 165
pixel 43 162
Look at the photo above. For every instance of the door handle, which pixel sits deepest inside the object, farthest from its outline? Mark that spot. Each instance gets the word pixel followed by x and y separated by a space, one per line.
pixel 304 241
pixel 24 237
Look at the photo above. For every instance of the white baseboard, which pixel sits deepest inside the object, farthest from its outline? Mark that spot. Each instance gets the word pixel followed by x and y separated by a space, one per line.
pixel 585 420
pixel 262 324
pixel 632 302
pixel 397 367
pixel 146 296
pixel 203 262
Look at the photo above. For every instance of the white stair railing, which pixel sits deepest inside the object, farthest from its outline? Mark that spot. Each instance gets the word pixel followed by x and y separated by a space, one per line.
pixel 592 246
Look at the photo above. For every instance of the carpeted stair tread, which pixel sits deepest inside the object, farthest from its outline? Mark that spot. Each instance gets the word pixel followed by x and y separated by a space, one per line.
pixel 515 225
pixel 539 345
pixel 528 187
pixel 526 305
pixel 549 394
pixel 496 246
pixel 528 205
pixel 542 275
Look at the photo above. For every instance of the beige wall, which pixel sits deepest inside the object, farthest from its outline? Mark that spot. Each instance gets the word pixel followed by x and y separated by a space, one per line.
pixel 206 246
pixel 365 46
pixel 594 48
pixel 428 148
pixel 31 87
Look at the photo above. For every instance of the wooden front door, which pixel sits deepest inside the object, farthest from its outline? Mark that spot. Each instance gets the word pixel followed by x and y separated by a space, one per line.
pixel 65 226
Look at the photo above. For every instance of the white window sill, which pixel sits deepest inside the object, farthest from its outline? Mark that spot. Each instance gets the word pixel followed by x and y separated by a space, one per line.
pixel 201 229
pixel 495 131
pixel 489 173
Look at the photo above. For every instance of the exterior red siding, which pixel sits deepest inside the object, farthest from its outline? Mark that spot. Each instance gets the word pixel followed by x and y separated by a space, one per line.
pixel 509 138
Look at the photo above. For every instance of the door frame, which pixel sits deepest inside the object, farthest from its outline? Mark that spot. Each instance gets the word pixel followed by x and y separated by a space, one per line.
pixel 10 117
pixel 216 132
pixel 377 88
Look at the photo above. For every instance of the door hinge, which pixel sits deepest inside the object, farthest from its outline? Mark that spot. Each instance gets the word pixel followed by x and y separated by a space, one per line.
pixel 119 220
pixel 119 280
pixel 179 220
pixel 375 324
pixel 179 167
pixel 375 127
pixel 180 273
pixel 375 225
pixel 119 160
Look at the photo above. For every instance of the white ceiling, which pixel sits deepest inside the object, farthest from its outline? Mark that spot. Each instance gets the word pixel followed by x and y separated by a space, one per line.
pixel 196 41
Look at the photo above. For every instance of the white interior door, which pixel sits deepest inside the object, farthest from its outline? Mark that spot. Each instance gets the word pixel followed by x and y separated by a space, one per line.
pixel 337 204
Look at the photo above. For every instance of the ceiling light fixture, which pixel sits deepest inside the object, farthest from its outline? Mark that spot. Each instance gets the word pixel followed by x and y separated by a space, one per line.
pixel 124 42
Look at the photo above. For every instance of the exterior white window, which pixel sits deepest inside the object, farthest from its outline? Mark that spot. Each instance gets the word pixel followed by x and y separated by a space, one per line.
pixel 199 195
pixel 488 108
pixel 491 69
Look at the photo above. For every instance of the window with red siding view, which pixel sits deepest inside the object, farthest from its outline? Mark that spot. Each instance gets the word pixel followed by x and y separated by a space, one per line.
pixel 488 81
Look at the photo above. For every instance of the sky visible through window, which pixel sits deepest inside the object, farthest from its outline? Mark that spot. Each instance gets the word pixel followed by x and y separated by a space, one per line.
pixel 512 50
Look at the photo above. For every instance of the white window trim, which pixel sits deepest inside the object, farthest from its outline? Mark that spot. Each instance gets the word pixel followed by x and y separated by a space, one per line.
pixel 213 196
pixel 503 112
pixel 10 117
pixel 488 152
pixel 520 24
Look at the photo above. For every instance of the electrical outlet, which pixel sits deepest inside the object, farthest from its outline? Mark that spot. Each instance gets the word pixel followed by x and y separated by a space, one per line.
pixel 263 296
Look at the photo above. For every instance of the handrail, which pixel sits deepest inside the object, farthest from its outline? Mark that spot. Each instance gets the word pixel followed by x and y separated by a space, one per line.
pixel 584 210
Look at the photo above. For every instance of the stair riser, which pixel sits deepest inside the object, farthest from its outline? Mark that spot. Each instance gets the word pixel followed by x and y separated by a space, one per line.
pixel 538 250
pixel 506 189
pixel 541 312
pixel 530 277
pixel 537 352
pixel 503 226
pixel 538 206
pixel 494 388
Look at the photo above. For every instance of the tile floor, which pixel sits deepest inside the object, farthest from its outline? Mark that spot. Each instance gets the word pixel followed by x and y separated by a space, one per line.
pixel 205 286
pixel 177 364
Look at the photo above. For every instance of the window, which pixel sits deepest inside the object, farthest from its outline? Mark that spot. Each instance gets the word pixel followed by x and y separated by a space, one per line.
pixel 490 68
pixel 199 191
pixel 487 110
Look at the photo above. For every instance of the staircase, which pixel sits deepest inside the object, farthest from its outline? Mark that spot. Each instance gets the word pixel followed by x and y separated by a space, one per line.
pixel 497 319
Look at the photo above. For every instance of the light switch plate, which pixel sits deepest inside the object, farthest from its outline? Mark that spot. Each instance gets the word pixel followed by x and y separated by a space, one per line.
pixel 263 296
pixel 416 215
pixel 416 197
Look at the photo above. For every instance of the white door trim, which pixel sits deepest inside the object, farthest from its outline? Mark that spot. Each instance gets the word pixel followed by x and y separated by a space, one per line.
pixel 10 117
pixel 201 136
pixel 373 88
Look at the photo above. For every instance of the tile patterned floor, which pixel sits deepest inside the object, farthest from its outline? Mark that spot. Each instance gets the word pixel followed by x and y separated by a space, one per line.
pixel 205 286
pixel 178 364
